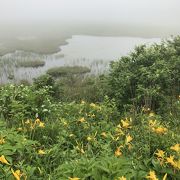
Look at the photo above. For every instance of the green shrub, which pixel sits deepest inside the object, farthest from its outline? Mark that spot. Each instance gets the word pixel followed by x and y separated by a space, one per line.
pixel 149 77
pixel 67 70
pixel 33 64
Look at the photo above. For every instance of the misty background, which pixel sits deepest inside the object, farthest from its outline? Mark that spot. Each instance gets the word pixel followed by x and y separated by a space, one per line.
pixel 43 25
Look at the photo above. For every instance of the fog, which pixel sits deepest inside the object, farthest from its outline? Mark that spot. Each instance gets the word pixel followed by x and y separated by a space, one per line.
pixel 165 12
pixel 30 24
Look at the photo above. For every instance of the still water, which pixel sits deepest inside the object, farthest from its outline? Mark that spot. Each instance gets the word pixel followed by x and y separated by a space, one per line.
pixel 95 52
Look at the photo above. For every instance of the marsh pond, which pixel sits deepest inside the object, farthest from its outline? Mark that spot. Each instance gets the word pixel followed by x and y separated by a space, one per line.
pixel 94 52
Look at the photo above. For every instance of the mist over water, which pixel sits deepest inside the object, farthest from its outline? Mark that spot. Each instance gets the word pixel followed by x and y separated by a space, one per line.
pixel 87 32
pixel 93 52
pixel 42 26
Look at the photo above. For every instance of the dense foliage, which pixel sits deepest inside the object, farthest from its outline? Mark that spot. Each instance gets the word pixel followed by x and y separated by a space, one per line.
pixel 149 77
pixel 133 133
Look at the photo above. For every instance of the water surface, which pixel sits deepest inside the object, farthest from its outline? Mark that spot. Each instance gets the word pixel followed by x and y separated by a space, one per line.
pixel 95 52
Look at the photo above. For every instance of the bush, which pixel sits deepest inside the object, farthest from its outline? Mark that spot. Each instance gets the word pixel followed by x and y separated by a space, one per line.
pixel 67 70
pixel 33 64
pixel 83 140
pixel 149 77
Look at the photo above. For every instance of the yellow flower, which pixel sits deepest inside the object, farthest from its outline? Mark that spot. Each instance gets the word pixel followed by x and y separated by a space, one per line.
pixel 152 176
pixel 83 102
pixel 176 147
pixel 165 177
pixel 160 153
pixel 17 174
pixel 93 105
pixel 71 135
pixel 103 134
pixel 41 125
pixel 82 151
pixel 89 138
pixel 119 131
pixel 37 121
pixel 20 129
pixel 3 160
pixel 2 140
pixel 118 152
pixel 27 121
pixel 31 126
pixel 125 124
pixel 151 114
pixel 41 152
pixel 65 123
pixel 128 139
pixel 82 120
pixel 160 130
pixel 171 161
pixel 121 178
pixel 152 123
pixel 130 146
pixel 93 115
pixel 74 178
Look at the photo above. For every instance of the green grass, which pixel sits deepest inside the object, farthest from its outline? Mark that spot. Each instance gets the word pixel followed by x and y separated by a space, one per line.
pixel 34 63
pixel 66 70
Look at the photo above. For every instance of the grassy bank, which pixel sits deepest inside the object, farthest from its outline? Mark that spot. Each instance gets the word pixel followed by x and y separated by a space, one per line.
pixel 67 70
pixel 30 63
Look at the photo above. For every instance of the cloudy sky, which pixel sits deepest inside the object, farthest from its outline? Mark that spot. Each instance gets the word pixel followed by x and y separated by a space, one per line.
pixel 165 12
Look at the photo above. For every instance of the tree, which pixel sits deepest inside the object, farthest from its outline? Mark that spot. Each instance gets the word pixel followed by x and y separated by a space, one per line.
pixel 149 77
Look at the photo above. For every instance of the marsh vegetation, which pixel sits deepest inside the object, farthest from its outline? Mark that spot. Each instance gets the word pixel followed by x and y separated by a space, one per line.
pixel 33 64
pixel 67 70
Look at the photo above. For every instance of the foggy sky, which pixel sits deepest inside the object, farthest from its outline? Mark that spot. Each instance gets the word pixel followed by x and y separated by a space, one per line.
pixel 155 12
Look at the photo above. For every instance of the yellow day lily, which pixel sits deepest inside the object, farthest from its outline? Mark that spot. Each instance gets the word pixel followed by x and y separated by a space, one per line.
pixel 65 123
pixel 37 121
pixel 130 146
pixel 74 178
pixel 151 114
pixel 27 121
pixel 160 153
pixel 2 140
pixel 93 105
pixel 82 151
pixel 41 125
pixel 171 161
pixel 82 120
pixel 176 147
pixel 152 123
pixel 41 152
pixel 16 174
pixel 83 102
pixel 128 139
pixel 125 124
pixel 165 177
pixel 3 160
pixel 89 138
pixel 71 135
pixel 160 130
pixel 152 176
pixel 118 152
pixel 103 134
pixel 93 115
pixel 19 129
pixel 121 178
